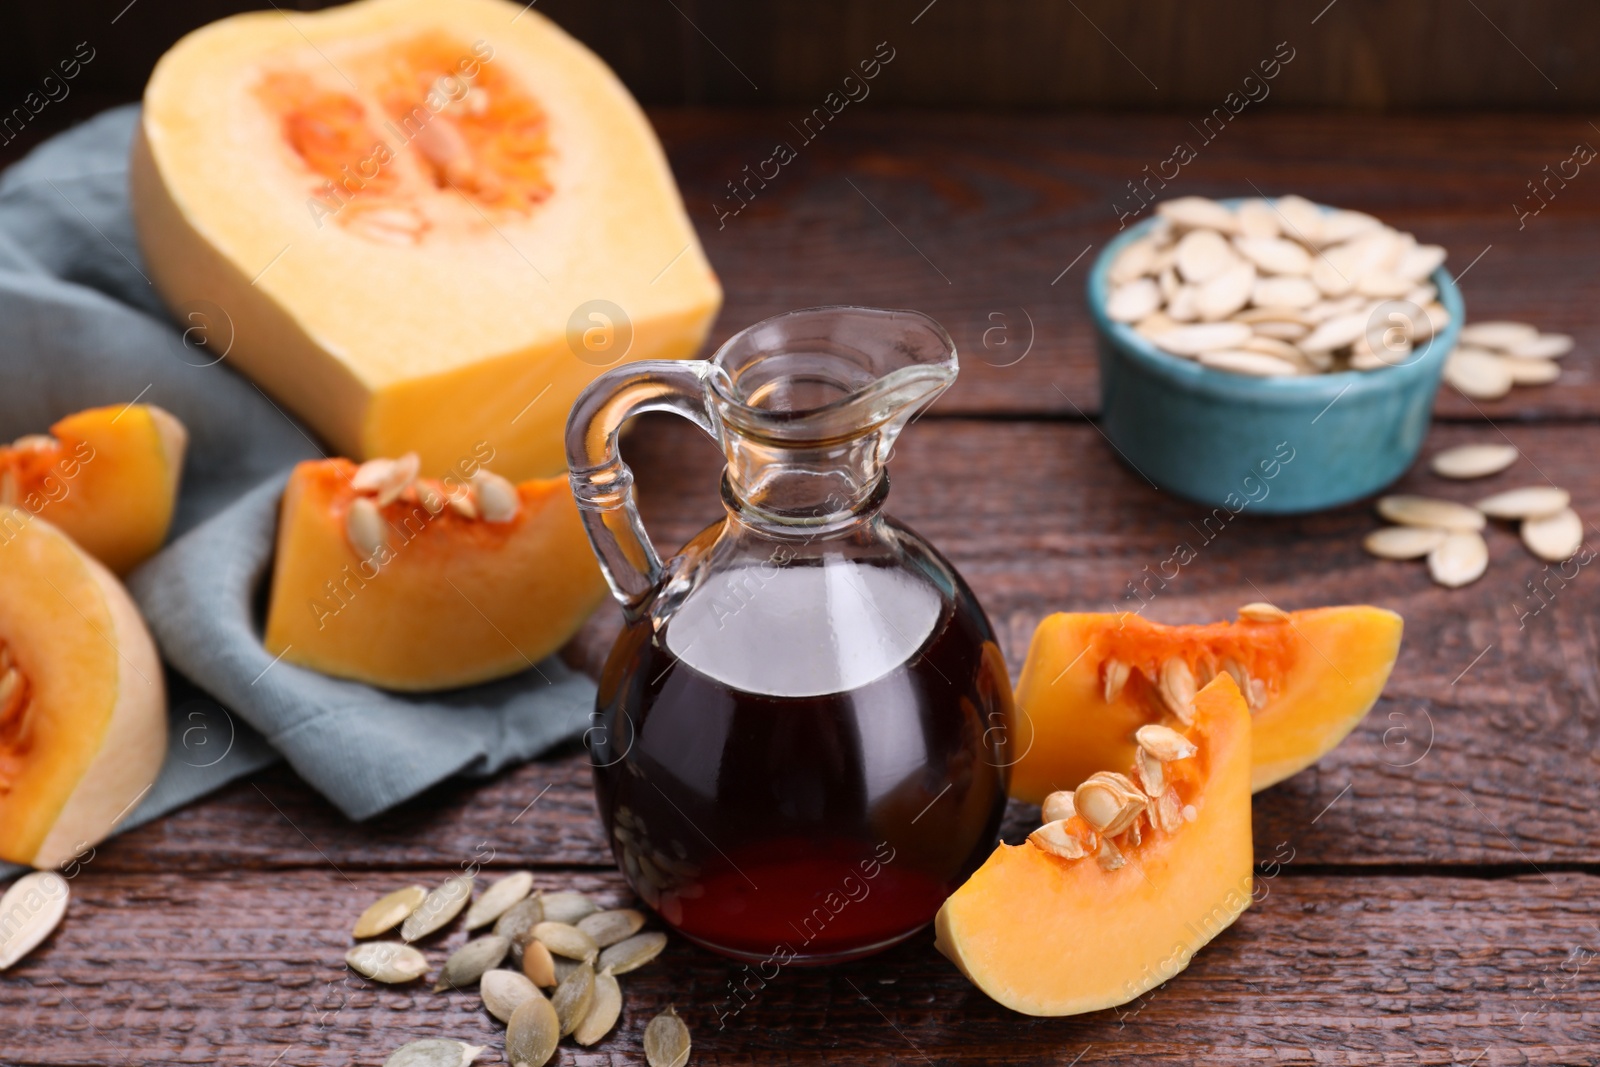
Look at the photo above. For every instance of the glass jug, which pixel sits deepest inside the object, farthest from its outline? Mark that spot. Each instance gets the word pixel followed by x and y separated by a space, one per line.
pixel 801 731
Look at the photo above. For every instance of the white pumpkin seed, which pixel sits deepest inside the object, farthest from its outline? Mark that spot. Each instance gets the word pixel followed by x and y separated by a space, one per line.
pixel 29 911
pixel 1429 511
pixel 1478 374
pixel 364 528
pixel 568 941
pixel 666 1041
pixel 499 898
pixel 468 963
pixel 370 475
pixel 1196 212
pixel 34 442
pixel 533 1033
pixel 1529 502
pixel 1255 218
pixel 1554 538
pixel 504 991
pixel 1109 802
pixel 1300 219
pixel 438 908
pixel 1055 838
pixel 567 907
pixel 1109 856
pixel 1250 364
pixel 1545 346
pixel 1460 559
pixel 1177 689
pixel 1473 461
pixel 573 997
pixel 1058 805
pixel 399 476
pixel 1133 301
pixel 389 911
pixel 604 1010
pixel 1261 611
pixel 1336 332
pixel 1116 677
pixel 1418 263
pixel 430 497
pixel 1531 371
pixel 1152 776
pixel 1164 743
pixel 1136 260
pixel 434 1052
pixel 1275 255
pixel 539 965
pixel 633 953
pixel 1168 813
pixel 1285 291
pixel 609 927
pixel 1499 335
pixel 462 500
pixel 498 499
pixel 1404 542
pixel 1226 293
pixel 387 961
pixel 1202 337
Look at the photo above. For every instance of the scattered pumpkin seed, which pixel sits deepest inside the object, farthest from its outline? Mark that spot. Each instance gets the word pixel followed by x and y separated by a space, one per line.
pixel 1478 374
pixel 609 927
pixel 29 911
pixel 434 1052
pixel 1529 502
pixel 518 922
pixel 1431 512
pixel 634 952
pixel 573 997
pixel 539 965
pixel 533 1033
pixel 468 963
pixel 1544 346
pixel 389 911
pixel 1501 335
pixel 666 1041
pixel 1460 559
pixel 498 899
pixel 1404 542
pixel 567 907
pixel 1554 538
pixel 438 908
pixel 603 1013
pixel 1531 371
pixel 568 941
pixel 387 961
pixel 504 991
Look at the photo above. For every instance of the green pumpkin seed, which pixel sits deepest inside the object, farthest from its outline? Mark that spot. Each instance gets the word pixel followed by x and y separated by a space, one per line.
pixel 433 1052
pixel 539 965
pixel 563 967
pixel 568 941
pixel 573 998
pixel 532 1033
pixel 567 907
pixel 603 1013
pixel 467 963
pixel 498 899
pixel 518 923
pixel 666 1041
pixel 504 991
pixel 29 911
pixel 609 927
pixel 438 908
pixel 387 961
pixel 388 912
pixel 633 953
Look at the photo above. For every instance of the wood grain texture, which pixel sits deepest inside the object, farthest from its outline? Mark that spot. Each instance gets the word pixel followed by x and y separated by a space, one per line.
pixel 237 968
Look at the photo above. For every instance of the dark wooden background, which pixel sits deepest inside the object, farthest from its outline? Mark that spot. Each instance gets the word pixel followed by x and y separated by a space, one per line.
pixel 1427 893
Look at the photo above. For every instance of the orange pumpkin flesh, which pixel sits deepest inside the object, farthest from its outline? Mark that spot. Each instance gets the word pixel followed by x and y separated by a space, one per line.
pixel 1316 673
pixel 83 711
pixel 451 602
pixel 107 477
pixel 1045 935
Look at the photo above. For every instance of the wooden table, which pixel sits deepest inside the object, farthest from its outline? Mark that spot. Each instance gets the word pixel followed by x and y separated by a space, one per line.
pixel 1427 894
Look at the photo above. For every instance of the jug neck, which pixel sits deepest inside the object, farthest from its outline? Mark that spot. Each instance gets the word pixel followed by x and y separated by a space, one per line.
pixel 803 516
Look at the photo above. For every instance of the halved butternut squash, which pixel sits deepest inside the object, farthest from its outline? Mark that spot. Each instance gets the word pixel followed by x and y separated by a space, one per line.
pixel 107 477
pixel 83 708
pixel 417 583
pixel 429 223
pixel 1130 876
pixel 1090 680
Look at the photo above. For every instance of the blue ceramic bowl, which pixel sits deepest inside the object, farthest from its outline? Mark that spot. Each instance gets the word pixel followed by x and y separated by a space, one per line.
pixel 1272 445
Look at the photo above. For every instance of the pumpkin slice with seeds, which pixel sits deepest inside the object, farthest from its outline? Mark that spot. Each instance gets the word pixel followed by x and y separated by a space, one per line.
pixel 1131 876
pixel 1091 680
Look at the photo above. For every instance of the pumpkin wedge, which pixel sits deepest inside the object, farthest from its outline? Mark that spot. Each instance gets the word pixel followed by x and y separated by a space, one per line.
pixel 107 477
pixel 1132 874
pixel 83 708
pixel 1091 680
pixel 420 225
pixel 418 583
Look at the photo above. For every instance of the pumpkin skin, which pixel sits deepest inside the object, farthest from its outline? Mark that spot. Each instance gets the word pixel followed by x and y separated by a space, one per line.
pixel 107 477
pixel 1049 936
pixel 420 225
pixel 1321 671
pixel 84 731
pixel 451 602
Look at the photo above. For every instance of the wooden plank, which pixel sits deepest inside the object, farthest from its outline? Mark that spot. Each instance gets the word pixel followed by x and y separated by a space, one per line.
pixel 237 967
pixel 1479 752
pixel 980 220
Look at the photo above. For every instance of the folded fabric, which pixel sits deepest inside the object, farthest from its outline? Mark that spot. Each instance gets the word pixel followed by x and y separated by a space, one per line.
pixel 82 326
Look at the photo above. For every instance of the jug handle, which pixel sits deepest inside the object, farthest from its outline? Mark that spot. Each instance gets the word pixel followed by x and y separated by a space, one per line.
pixel 602 483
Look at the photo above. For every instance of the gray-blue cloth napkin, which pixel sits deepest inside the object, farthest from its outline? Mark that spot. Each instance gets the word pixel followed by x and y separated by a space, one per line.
pixel 81 326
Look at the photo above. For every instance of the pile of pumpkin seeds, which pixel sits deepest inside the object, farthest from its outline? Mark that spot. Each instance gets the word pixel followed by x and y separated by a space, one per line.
pixel 560 942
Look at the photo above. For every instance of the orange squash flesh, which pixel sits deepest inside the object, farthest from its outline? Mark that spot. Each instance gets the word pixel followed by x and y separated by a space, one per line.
pixel 107 477
pixel 452 601
pixel 1318 672
pixel 83 720
pixel 1050 936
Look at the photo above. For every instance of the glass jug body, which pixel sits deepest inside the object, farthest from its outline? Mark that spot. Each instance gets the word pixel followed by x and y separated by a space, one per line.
pixel 801 739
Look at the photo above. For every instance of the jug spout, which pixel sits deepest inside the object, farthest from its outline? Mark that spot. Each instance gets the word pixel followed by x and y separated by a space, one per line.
pixel 808 406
